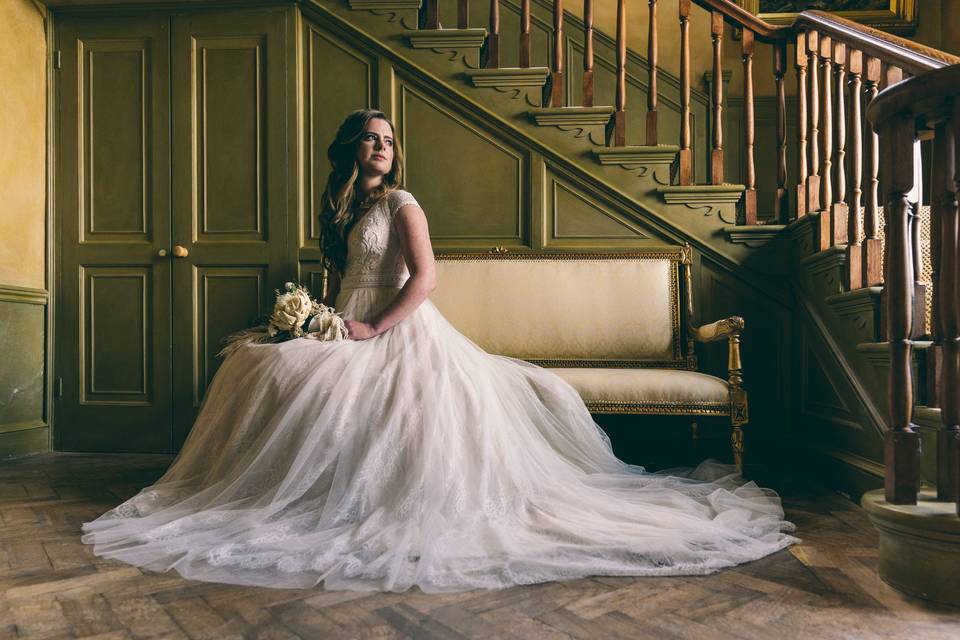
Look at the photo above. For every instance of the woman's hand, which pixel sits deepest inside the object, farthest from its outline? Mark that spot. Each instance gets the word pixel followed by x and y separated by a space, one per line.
pixel 357 330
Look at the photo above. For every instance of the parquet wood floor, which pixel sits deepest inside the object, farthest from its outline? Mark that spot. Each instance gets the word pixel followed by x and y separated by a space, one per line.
pixel 54 587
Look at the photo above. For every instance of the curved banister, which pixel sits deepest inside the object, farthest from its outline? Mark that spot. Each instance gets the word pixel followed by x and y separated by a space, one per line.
pixel 929 96
pixel 906 54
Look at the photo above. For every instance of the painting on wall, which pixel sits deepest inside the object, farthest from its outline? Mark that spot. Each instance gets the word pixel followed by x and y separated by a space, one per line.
pixel 896 16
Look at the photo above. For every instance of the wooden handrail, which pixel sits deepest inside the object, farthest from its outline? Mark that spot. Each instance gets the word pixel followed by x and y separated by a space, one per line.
pixel 929 96
pixel 906 54
pixel 737 15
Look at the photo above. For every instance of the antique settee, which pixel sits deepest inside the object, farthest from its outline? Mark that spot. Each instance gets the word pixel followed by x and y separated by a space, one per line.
pixel 614 325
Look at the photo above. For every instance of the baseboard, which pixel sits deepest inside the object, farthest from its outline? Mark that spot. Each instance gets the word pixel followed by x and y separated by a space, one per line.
pixel 14 444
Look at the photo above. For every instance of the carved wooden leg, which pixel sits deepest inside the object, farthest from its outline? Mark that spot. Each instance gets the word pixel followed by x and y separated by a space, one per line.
pixel 736 442
pixel 739 411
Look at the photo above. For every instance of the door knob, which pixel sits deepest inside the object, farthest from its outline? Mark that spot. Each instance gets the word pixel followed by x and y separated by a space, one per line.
pixel 162 253
pixel 180 252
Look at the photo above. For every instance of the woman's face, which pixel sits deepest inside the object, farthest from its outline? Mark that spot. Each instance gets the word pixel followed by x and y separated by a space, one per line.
pixel 375 149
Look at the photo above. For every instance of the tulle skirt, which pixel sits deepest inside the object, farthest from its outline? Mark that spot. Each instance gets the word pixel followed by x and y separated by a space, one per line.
pixel 416 458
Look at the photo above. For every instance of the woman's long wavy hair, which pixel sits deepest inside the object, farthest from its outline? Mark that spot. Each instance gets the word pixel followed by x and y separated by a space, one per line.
pixel 340 205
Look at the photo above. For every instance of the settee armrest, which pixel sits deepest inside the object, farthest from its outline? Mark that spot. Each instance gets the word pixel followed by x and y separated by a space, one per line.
pixel 730 328
pixel 718 330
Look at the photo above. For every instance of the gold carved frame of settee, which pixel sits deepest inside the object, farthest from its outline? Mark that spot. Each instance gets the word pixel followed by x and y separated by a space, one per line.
pixel 681 294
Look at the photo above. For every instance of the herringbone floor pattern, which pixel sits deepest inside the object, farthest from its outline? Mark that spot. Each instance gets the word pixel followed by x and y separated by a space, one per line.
pixel 54 587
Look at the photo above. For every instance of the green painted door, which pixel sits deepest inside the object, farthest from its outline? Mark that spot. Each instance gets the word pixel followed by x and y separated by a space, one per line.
pixel 113 312
pixel 172 203
pixel 229 187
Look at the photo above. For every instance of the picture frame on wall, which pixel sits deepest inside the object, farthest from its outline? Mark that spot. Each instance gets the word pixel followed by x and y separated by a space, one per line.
pixel 895 16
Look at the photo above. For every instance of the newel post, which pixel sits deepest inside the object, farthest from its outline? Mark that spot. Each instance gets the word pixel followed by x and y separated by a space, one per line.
pixel 902 442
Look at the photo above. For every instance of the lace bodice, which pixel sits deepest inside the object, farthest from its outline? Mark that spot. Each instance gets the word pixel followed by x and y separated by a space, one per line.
pixel 374 257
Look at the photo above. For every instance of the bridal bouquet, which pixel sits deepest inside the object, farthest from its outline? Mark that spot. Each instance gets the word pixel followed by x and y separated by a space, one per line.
pixel 295 315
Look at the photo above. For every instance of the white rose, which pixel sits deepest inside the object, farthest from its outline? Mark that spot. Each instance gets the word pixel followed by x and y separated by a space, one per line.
pixel 291 311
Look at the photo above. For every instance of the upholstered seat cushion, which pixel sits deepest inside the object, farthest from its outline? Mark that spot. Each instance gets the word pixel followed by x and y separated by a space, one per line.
pixel 648 390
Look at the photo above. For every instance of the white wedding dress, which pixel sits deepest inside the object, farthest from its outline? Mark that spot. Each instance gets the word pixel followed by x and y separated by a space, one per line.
pixel 416 458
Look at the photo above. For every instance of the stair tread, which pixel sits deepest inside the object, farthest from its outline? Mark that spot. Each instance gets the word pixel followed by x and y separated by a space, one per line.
pixel 514 70
pixel 875 347
pixel 863 292
pixel 603 109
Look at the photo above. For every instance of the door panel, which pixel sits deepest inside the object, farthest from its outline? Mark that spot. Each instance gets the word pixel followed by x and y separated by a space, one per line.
pixel 229 187
pixel 113 212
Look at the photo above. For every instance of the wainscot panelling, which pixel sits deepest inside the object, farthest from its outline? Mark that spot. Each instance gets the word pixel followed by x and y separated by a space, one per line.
pixel 575 218
pixel 23 415
pixel 472 183
pixel 338 78
pixel 835 423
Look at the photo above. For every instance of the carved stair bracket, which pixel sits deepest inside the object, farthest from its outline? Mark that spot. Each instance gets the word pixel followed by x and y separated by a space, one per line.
pixel 753 235
pixel 584 121
pixel 802 232
pixel 862 307
pixel 708 197
pixel 650 161
pixel 451 41
pixel 827 266
pixel 516 81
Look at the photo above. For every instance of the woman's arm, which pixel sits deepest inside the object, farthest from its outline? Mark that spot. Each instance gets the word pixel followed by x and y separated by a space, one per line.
pixel 414 236
pixel 333 287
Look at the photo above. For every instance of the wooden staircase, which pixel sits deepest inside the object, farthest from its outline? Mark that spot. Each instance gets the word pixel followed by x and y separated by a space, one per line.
pixel 839 67
pixel 881 321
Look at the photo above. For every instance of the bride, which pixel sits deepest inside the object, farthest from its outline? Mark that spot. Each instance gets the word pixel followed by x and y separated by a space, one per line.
pixel 406 455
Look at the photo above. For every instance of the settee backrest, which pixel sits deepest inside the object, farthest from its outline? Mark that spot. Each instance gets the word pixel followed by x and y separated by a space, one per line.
pixel 567 309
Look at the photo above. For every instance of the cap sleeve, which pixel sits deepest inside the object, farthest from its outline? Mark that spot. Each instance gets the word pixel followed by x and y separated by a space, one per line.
pixel 399 198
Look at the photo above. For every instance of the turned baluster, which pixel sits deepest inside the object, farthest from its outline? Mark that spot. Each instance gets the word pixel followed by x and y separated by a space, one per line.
pixel 838 209
pixel 652 54
pixel 853 273
pixel 941 197
pixel 556 73
pixel 716 154
pixel 920 288
pixel 525 30
pixel 942 356
pixel 902 442
pixel 872 245
pixel 618 124
pixel 492 52
pixel 431 14
pixel 800 52
pixel 890 75
pixel 824 235
pixel 463 13
pixel 587 51
pixel 813 135
pixel 685 156
pixel 750 171
pixel 781 207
